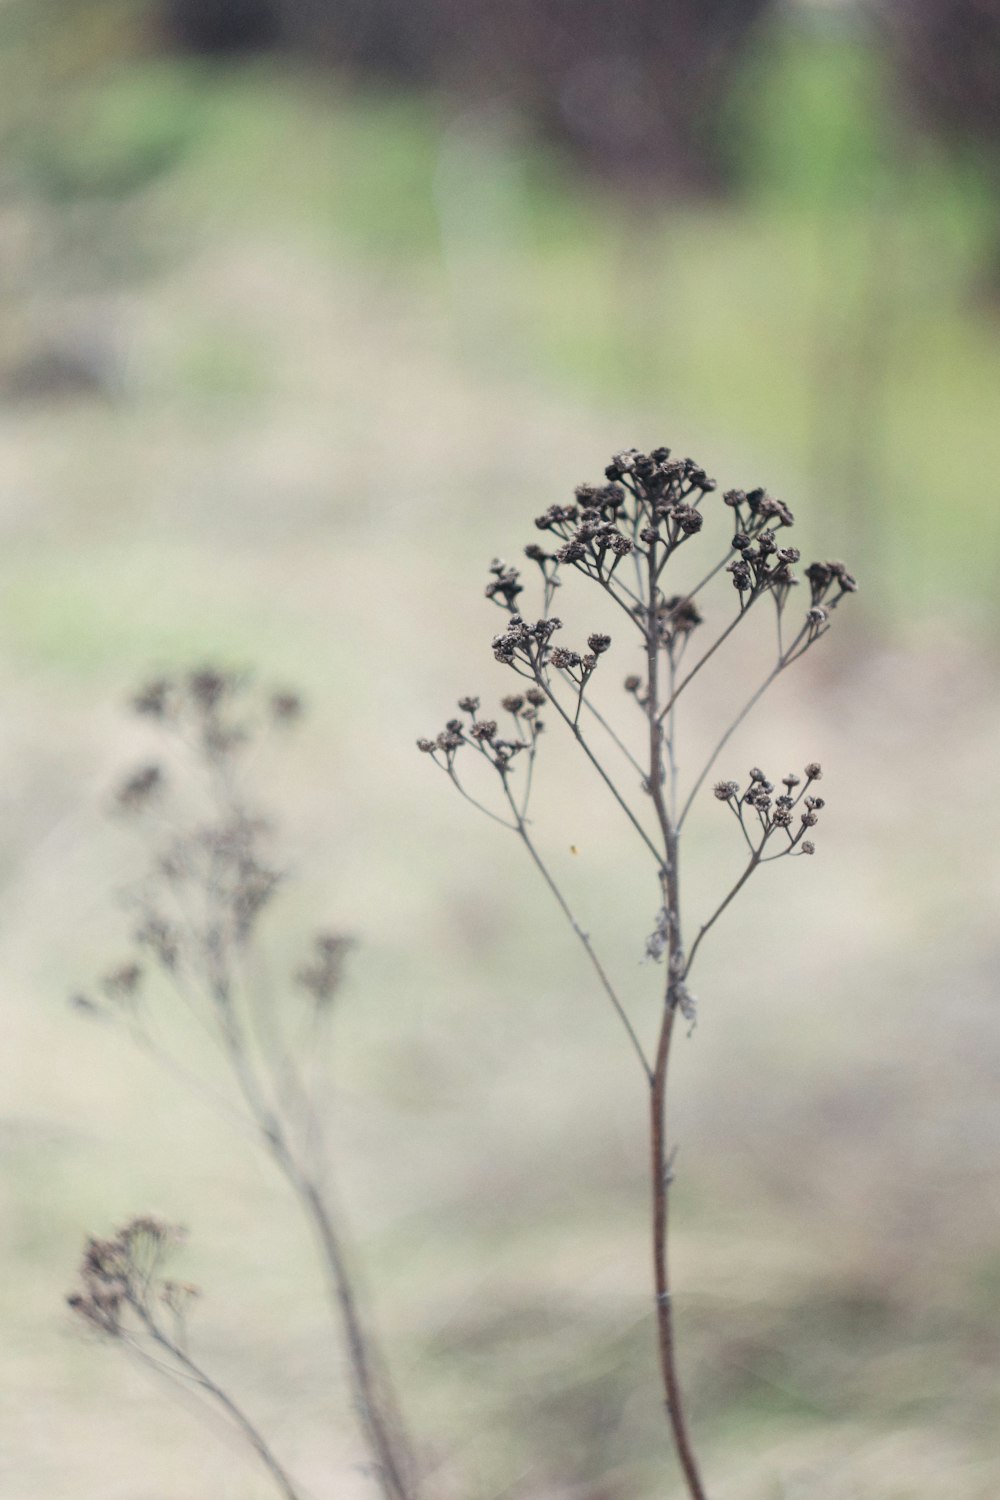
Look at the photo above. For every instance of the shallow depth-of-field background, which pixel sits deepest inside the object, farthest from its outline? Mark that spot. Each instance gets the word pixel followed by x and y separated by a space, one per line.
pixel 286 356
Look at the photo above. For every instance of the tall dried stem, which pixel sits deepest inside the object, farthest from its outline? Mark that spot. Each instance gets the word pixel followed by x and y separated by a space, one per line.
pixel 650 508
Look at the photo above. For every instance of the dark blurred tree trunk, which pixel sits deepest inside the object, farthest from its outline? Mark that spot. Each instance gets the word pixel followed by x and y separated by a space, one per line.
pixel 635 88
pixel 221 26
pixel 947 54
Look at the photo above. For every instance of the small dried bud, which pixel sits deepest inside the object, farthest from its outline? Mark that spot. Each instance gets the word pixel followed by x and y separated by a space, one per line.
pixel 807 847
pixel 485 730
pixel 322 977
pixel 633 683
pixel 572 552
pixel 679 615
pixel 140 787
pixel 556 515
pixel 285 706
pixel 123 983
pixel 85 1005
pixel 809 820
pixel 814 771
pixel 622 463
pixel 513 703
pixel 156 934
pixel 726 790
pixel 563 659
pixel 598 643
pixel 505 584
pixel 153 698
pixel 688 519
pixel 782 817
pixel 535 697
pixel 817 615
pixel 468 705
pixel 207 687
pixel 791 780
pixel 847 581
pixel 756 774
pixel 426 746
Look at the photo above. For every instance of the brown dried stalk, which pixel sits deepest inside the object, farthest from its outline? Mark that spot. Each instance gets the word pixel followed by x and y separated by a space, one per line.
pixel 211 876
pixel 651 507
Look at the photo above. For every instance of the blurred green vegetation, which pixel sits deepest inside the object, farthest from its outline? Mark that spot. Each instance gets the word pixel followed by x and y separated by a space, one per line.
pixel 828 320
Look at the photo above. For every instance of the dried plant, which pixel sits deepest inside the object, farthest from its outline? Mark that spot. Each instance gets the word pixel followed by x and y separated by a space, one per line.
pixel 125 1296
pixel 211 875
pixel 623 536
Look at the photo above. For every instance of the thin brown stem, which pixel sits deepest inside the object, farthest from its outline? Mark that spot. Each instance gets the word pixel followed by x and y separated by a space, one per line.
pixel 584 938
pixel 219 1397
pixel 659 1162
pixel 375 1400
pixel 707 656
pixel 577 733
pixel 377 1407
pixel 784 660
pixel 659 1155
pixel 613 735
pixel 748 706
pixel 707 926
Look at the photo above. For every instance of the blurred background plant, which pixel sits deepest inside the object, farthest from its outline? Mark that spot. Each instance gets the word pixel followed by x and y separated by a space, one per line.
pixel 290 324
pixel 196 910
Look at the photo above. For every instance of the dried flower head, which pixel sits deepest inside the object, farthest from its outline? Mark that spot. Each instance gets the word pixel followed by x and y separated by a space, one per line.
pixel 321 977
pixel 139 789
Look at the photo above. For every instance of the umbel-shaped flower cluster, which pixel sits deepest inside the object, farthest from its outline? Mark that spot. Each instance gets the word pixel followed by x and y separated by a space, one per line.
pixel 650 506
pixel 623 536
pixel 121 1280
pixel 768 814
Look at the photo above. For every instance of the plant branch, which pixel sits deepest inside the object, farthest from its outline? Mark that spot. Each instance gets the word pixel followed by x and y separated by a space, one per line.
pixel 724 635
pixel 707 926
pixel 220 1398
pixel 583 937
pixel 577 734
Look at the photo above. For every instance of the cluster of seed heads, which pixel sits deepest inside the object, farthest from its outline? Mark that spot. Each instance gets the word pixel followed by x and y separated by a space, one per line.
pixel 210 878
pixel 770 812
pixel 485 735
pixel 121 1277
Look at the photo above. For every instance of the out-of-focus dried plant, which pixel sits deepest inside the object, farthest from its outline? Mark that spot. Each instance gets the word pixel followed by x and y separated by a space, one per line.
pixel 626 536
pixel 211 873
pixel 124 1295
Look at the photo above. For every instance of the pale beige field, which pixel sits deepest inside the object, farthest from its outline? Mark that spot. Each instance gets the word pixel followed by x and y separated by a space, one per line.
pixel 300 468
